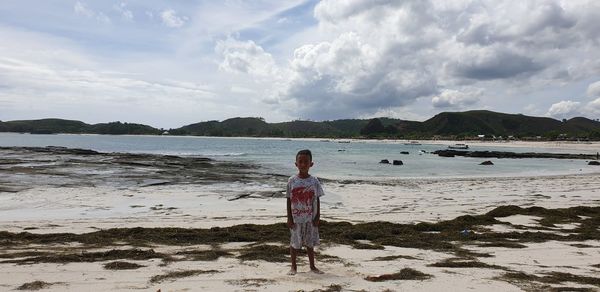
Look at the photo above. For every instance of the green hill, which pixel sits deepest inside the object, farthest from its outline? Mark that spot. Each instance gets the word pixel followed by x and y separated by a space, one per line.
pixel 60 126
pixel 454 125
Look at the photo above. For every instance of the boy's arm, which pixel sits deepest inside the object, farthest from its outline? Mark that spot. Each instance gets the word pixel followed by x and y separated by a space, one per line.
pixel 290 219
pixel 318 213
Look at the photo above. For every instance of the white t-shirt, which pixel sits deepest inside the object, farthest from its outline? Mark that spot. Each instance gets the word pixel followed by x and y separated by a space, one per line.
pixel 303 193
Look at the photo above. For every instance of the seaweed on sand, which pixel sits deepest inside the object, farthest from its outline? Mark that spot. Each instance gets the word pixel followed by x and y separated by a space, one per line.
pixel 115 254
pixel 265 252
pixel 204 255
pixel 254 282
pixel 447 236
pixel 119 265
pixel 551 278
pixel 330 288
pixel 404 274
pixel 462 263
pixel 180 274
pixel 35 285
pixel 394 257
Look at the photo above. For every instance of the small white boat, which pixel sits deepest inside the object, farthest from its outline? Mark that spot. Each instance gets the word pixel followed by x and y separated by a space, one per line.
pixel 412 143
pixel 459 146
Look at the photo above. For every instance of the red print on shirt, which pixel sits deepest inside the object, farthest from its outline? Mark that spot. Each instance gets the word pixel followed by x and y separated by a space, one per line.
pixel 302 198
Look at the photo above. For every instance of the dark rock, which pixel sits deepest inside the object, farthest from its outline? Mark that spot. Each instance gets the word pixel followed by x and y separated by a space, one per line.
pixel 487 162
pixel 385 161
pixel 404 152
pixel 398 162
pixel 594 162
pixel 502 154
pixel 444 153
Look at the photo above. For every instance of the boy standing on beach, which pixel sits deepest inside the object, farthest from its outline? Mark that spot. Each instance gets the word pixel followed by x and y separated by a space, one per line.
pixel 303 210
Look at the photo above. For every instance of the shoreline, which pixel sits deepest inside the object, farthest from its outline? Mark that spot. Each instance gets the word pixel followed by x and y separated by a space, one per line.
pixel 565 145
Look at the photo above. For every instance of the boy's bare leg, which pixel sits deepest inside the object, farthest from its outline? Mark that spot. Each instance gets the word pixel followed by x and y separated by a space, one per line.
pixel 311 259
pixel 293 254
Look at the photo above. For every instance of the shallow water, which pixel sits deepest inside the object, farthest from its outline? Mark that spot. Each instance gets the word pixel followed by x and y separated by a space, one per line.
pixel 334 160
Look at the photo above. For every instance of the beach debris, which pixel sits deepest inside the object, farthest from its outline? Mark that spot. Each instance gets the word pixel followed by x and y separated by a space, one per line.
pixel 398 162
pixel 465 232
pixel 384 161
pixel 404 274
pixel 254 282
pixel 153 182
pixel 180 274
pixel 487 162
pixel 119 265
pixel 36 285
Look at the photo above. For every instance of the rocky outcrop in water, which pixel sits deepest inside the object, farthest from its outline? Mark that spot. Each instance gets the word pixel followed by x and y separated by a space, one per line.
pixel 502 154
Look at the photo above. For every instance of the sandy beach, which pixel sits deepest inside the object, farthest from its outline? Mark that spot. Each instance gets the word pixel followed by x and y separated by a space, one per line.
pixel 74 221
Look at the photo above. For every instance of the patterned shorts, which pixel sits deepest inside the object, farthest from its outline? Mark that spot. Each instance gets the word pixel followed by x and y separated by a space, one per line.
pixel 304 234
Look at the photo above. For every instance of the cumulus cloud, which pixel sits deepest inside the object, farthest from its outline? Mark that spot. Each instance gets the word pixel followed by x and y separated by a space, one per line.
pixel 245 57
pixel 565 109
pixel 382 54
pixel 171 19
pixel 450 98
pixel 593 108
pixel 593 89
pixel 491 63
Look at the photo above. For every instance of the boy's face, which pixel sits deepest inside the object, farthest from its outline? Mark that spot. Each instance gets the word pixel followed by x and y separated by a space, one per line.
pixel 303 162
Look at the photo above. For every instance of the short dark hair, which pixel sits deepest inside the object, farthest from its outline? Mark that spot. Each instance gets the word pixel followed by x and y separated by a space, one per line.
pixel 304 152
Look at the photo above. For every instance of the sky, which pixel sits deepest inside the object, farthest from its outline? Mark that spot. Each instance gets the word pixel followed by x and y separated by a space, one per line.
pixel 173 63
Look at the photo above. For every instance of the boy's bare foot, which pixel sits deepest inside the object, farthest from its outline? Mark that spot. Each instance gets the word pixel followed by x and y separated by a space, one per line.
pixel 292 272
pixel 316 271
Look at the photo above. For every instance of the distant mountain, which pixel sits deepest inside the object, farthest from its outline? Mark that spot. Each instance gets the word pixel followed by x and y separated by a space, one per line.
pixel 481 122
pixel 453 125
pixel 54 126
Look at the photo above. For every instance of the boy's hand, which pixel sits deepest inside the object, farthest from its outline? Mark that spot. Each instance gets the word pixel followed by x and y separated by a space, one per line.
pixel 316 222
pixel 291 224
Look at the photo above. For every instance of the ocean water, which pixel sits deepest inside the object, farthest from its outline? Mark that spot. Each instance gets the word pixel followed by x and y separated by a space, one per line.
pixel 355 160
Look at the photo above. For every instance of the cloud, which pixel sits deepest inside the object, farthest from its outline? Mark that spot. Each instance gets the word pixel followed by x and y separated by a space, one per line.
pixel 565 109
pixel 491 63
pixel 170 19
pixel 384 54
pixel 348 77
pixel 122 9
pixel 82 10
pixel 593 108
pixel 593 89
pixel 245 57
pixel 449 98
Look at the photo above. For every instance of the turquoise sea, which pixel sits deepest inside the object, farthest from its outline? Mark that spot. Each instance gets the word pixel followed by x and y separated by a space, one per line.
pixel 354 160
